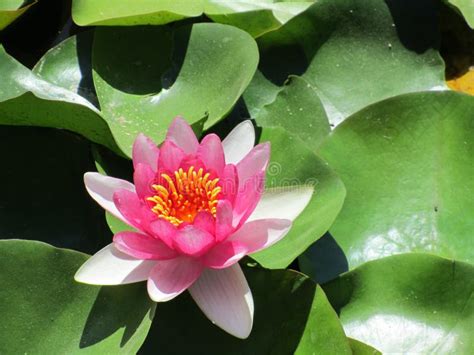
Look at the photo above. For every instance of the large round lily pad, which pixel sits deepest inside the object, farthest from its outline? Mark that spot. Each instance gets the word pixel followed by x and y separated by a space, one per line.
pixel 407 164
pixel 43 309
pixel 197 72
pixel 411 303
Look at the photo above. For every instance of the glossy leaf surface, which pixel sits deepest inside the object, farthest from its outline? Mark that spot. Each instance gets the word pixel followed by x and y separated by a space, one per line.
pixel 407 164
pixel 411 303
pixel 255 17
pixel 358 52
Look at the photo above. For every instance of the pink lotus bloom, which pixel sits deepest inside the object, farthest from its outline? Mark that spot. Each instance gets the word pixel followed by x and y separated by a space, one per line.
pixel 197 209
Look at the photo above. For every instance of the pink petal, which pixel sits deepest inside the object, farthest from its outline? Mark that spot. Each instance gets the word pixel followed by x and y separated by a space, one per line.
pixel 170 157
pixel 171 277
pixel 225 298
pixel 211 153
pixel 261 234
pixel 164 230
pixel 142 246
pixel 133 210
pixel 248 197
pixel 205 221
pixel 102 189
pixel 224 217
pixel 224 255
pixel 229 183
pixel 254 162
pixel 145 151
pixel 239 142
pixel 110 266
pixel 181 134
pixel 144 177
pixel 192 241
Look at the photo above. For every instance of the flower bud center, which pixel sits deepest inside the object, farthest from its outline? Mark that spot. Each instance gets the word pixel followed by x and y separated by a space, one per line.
pixel 183 194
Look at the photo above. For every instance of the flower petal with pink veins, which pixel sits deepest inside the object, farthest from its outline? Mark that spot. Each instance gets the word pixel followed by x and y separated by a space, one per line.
pixel 133 210
pixel 211 153
pixel 225 298
pixel 247 198
pixel 144 177
pixel 261 234
pixel 239 142
pixel 181 134
pixel 110 266
pixel 224 254
pixel 229 183
pixel 224 218
pixel 282 202
pixel 205 221
pixel 145 151
pixel 164 230
pixel 193 241
pixel 142 246
pixel 102 189
pixel 170 157
pixel 169 278
pixel 254 162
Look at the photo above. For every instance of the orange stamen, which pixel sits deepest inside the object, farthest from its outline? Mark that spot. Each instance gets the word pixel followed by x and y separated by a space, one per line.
pixel 184 194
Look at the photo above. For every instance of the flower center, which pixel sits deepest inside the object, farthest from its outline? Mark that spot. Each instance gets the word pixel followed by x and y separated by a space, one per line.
pixel 184 194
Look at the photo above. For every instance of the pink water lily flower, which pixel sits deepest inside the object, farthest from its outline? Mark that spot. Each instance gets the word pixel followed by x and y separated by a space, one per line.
pixel 197 209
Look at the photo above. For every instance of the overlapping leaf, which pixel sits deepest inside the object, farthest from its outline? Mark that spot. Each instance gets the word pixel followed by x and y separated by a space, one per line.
pixel 407 165
pixel 296 108
pixel 294 165
pixel 357 52
pixel 412 303
pixel 10 10
pixel 26 99
pixel 133 79
pixel 43 309
pixel 256 17
pixel 292 315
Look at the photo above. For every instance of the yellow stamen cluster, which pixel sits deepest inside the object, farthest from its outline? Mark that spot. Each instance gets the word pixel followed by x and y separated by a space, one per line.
pixel 187 194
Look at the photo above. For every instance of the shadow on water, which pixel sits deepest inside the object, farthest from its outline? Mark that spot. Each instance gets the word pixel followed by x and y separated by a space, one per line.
pixel 416 23
pixel 324 260
pixel 43 196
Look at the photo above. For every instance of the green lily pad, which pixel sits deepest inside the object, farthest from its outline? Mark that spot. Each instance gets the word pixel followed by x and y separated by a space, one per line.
pixel 412 303
pixel 44 310
pixel 69 65
pixel 42 194
pixel 259 93
pixel 28 100
pixel 256 17
pixel 292 164
pixel 407 165
pixel 292 315
pixel 10 10
pixel 360 348
pixel 357 52
pixel 297 109
pixel 135 81
pixel 466 7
